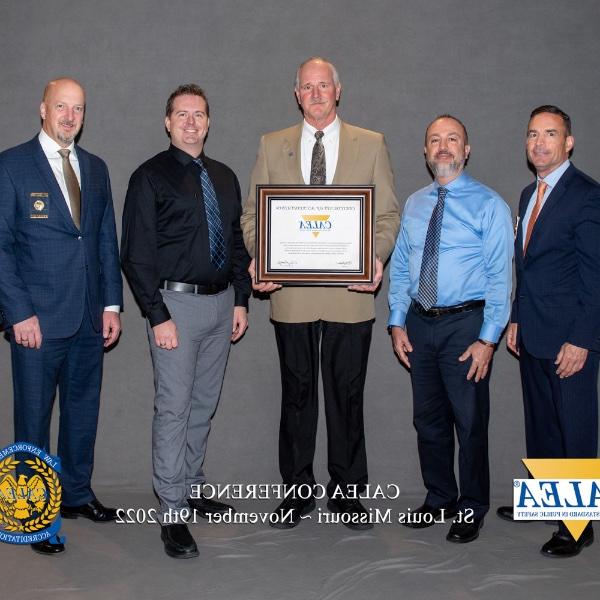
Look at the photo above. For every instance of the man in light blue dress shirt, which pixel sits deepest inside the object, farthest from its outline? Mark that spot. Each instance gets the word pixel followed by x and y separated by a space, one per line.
pixel 450 284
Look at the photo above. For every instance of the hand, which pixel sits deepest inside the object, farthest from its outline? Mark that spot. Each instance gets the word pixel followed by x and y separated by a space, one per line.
pixel 111 327
pixel 371 287
pixel 240 322
pixel 511 338
pixel 266 287
pixel 401 344
pixel 28 333
pixel 481 356
pixel 570 360
pixel 165 335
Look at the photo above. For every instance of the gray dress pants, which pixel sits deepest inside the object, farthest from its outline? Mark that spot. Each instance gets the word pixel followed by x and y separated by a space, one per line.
pixel 187 383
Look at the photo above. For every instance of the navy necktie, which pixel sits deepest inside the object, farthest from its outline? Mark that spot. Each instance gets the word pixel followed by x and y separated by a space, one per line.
pixel 428 278
pixel 218 255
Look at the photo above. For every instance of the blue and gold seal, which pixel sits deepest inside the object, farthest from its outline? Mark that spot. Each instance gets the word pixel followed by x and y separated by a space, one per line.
pixel 30 494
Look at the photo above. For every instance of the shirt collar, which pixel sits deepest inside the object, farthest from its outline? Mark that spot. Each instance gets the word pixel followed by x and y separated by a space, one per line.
pixel 51 147
pixel 552 178
pixel 331 129
pixel 456 184
pixel 183 157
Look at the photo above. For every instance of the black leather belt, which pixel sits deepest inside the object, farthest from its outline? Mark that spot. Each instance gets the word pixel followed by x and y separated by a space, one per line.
pixel 194 288
pixel 447 310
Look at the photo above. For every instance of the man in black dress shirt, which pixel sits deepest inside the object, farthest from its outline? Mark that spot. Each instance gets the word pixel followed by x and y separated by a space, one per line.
pixel 184 256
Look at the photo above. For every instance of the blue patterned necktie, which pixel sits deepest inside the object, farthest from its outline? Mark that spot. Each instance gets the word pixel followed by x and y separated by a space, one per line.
pixel 428 278
pixel 218 255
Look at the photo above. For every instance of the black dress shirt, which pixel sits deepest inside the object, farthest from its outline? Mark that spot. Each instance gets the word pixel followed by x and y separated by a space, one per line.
pixel 165 232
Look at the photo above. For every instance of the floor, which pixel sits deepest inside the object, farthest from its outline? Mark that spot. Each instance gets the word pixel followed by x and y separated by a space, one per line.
pixel 313 561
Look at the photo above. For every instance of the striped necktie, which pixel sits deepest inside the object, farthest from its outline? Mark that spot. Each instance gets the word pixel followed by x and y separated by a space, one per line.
pixel 428 278
pixel 216 241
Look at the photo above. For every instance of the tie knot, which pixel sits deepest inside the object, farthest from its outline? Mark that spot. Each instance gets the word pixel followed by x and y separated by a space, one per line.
pixel 319 135
pixel 64 152
pixel 542 185
pixel 199 163
pixel 442 191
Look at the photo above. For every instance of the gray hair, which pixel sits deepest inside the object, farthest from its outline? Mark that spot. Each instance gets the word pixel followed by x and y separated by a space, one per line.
pixel 334 73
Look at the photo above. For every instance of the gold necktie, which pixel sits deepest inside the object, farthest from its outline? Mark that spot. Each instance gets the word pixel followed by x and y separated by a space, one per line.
pixel 72 187
pixel 541 190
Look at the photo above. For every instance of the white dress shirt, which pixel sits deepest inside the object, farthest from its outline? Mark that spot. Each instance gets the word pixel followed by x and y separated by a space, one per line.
pixel 331 143
pixel 50 149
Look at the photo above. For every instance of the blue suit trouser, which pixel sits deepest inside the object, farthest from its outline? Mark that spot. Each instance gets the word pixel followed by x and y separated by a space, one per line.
pixel 561 415
pixel 444 401
pixel 74 365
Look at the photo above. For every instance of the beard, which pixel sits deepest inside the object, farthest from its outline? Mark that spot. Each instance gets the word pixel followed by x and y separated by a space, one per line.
pixel 442 169
pixel 67 138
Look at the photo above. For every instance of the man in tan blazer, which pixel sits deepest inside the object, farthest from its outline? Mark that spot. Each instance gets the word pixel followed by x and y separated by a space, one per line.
pixel 324 150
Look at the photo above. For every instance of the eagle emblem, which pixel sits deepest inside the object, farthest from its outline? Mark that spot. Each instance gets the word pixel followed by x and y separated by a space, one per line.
pixel 28 502
pixel 22 498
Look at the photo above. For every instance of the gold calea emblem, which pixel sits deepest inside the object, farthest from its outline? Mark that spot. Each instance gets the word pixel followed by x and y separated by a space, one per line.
pixel 28 504
pixel 39 205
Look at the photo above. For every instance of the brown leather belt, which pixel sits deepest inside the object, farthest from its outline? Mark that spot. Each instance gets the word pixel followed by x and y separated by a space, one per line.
pixel 194 288
pixel 438 311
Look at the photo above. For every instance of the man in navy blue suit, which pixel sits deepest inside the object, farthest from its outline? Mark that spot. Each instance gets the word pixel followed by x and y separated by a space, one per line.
pixel 60 291
pixel 555 320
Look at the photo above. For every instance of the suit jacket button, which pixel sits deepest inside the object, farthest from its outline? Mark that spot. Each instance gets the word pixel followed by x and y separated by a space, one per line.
pixel 78 237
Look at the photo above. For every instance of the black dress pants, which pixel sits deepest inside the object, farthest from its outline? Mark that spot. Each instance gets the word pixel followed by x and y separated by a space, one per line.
pixel 445 401
pixel 344 355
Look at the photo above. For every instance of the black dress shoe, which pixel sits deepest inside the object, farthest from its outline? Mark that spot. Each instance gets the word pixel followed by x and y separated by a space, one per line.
pixel 178 541
pixel 206 506
pixel 426 516
pixel 93 510
pixel 47 548
pixel 352 513
pixel 563 545
pixel 290 512
pixel 507 514
pixel 462 532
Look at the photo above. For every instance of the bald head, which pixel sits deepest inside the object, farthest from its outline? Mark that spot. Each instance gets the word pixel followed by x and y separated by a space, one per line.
pixel 62 110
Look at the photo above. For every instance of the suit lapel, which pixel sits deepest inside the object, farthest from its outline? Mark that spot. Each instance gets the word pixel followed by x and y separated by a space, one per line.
pixel 48 176
pixel 292 156
pixel 347 155
pixel 525 196
pixel 551 203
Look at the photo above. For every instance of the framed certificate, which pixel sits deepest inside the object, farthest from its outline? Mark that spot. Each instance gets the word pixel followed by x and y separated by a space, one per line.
pixel 315 235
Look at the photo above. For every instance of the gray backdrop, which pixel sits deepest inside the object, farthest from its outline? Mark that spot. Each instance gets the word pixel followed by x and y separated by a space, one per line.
pixel 401 63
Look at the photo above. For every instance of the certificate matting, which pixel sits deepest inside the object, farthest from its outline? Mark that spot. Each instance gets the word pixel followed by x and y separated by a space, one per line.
pixel 319 235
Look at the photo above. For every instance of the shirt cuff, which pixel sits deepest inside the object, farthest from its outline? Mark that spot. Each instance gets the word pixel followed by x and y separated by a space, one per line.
pixel 397 318
pixel 113 308
pixel 490 332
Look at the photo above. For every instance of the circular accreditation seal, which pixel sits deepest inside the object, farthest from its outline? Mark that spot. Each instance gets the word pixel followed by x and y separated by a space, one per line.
pixel 30 494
